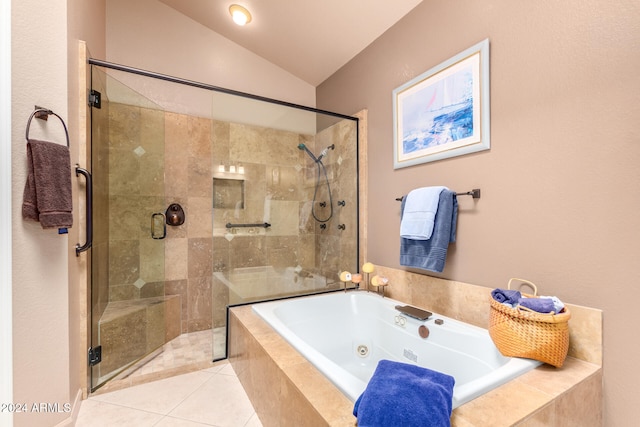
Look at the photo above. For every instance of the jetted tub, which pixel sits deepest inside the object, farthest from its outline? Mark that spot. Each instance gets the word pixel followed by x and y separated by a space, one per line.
pixel 345 335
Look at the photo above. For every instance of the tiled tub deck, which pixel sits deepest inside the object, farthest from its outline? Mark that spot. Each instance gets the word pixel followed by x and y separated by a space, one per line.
pixel 286 389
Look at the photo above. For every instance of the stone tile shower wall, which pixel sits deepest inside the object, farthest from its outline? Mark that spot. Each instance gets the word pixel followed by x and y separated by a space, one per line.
pixel 271 193
pixel 335 247
pixel 161 158
pixel 274 192
pixel 189 247
pixel 139 317
pixel 181 157
pixel 279 183
pixel 136 146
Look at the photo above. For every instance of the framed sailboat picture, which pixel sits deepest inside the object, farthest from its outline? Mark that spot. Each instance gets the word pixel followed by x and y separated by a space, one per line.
pixel 443 112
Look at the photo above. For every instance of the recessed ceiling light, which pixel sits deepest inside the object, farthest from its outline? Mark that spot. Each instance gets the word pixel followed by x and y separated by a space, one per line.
pixel 240 15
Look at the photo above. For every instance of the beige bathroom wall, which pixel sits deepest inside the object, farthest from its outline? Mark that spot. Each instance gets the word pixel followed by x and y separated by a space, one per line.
pixel 40 257
pixel 150 35
pixel 560 184
pixel 49 349
pixel 6 312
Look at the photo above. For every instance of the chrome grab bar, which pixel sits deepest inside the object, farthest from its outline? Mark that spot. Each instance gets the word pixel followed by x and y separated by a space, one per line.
pixel 89 196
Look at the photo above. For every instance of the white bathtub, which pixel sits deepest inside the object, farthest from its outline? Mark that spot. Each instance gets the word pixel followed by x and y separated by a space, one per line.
pixel 345 335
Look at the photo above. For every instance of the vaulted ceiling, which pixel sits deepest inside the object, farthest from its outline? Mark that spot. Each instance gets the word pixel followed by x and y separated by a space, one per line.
pixel 311 39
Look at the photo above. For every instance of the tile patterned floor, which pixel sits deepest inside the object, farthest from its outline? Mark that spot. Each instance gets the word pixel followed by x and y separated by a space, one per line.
pixel 183 350
pixel 210 397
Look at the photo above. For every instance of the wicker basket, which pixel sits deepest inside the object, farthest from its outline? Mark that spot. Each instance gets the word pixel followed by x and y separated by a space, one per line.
pixel 519 332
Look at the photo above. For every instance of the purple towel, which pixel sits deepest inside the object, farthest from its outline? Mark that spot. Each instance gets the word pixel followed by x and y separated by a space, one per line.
pixel 541 305
pixel 400 394
pixel 508 296
pixel 47 193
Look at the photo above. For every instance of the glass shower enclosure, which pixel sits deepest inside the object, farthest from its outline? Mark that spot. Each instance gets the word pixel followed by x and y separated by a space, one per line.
pixel 269 193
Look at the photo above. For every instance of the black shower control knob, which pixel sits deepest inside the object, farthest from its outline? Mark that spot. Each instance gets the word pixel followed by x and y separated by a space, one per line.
pixel 175 214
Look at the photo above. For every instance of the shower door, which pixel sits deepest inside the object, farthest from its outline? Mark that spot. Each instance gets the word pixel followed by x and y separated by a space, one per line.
pixel 270 191
pixel 129 309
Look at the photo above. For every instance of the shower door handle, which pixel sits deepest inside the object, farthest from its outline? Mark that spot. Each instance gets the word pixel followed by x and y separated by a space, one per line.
pixel 89 200
pixel 155 235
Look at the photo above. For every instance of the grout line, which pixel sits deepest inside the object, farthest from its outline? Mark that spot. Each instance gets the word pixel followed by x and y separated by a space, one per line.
pixel 210 374
pixel 251 417
pixel 118 405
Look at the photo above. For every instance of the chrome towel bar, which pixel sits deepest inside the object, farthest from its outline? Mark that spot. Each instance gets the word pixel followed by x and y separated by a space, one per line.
pixel 475 193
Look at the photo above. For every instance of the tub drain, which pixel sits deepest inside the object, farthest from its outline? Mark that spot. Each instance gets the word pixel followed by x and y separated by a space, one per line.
pixel 363 350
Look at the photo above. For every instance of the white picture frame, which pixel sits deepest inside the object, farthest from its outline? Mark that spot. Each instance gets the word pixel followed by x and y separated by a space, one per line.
pixel 444 112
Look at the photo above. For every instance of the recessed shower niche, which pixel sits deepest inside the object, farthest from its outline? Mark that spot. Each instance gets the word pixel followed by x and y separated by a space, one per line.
pixel 259 181
pixel 228 192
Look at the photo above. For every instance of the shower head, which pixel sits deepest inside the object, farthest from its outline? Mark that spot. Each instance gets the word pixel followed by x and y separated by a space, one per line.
pixel 304 147
pixel 326 150
pixel 330 147
pixel 322 153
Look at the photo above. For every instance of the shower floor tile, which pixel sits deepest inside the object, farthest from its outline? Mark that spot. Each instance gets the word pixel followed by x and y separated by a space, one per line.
pixel 185 353
pixel 185 349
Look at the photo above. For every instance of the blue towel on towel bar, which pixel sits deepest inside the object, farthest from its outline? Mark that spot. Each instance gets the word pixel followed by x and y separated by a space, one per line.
pixel 431 254
pixel 400 394
pixel 419 212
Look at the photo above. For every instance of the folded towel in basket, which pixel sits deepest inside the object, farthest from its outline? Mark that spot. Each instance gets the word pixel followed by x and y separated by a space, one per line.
pixel 47 192
pixel 541 305
pixel 506 296
pixel 400 394
pixel 557 304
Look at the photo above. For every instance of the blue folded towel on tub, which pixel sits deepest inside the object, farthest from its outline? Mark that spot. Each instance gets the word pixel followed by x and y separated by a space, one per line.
pixel 400 394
